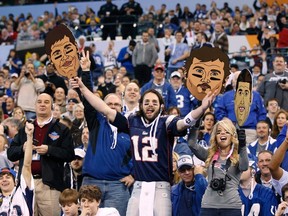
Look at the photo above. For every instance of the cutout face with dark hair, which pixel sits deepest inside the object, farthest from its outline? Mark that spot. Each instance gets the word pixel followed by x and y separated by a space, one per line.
pixel 62 51
pixel 242 102
pixel 207 69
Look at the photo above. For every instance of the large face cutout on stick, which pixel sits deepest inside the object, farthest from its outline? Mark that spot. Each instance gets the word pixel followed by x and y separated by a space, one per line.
pixel 206 70
pixel 243 96
pixel 62 51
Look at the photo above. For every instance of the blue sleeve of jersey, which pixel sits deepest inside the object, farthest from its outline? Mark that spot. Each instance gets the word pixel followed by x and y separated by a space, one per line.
pixel 29 199
pixel 220 111
pixel 260 107
pixel 200 184
pixel 172 128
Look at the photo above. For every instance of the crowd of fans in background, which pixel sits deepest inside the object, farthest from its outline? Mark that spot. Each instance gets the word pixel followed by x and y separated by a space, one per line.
pixel 128 76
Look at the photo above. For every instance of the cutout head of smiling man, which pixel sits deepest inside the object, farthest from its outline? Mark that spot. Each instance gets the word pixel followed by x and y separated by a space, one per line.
pixel 206 70
pixel 62 51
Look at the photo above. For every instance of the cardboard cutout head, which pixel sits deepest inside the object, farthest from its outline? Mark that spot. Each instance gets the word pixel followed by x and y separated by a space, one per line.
pixel 206 70
pixel 243 96
pixel 62 51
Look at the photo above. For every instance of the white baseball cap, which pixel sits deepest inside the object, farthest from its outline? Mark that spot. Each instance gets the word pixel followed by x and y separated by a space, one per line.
pixel 79 152
pixel 175 74
pixel 185 160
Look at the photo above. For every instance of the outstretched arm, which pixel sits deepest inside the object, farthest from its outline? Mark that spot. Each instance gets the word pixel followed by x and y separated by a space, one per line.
pixel 26 170
pixel 191 118
pixel 95 101
pixel 278 157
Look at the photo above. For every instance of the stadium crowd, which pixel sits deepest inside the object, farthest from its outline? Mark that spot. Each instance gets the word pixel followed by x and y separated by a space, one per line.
pixel 101 145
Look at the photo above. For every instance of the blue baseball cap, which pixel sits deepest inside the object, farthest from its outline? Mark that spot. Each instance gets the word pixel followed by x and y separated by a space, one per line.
pixel 7 170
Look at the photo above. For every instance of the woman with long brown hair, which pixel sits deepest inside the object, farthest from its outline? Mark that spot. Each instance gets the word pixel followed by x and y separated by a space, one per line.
pixel 225 159
pixel 280 119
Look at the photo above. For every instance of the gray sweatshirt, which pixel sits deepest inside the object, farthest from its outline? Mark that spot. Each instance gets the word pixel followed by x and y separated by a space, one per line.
pixel 230 198
pixel 144 54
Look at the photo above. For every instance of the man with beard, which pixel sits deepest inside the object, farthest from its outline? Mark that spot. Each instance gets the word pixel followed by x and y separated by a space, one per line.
pixel 152 136
pixel 85 138
pixel 73 172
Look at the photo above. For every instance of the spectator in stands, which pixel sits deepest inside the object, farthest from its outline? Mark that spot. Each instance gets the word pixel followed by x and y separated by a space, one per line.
pixel 205 130
pixel 108 86
pixel 110 150
pixel 263 142
pixel 131 99
pixel 263 175
pixel 52 147
pixel 225 159
pixel 129 13
pixel 28 87
pixel 108 14
pixel 125 58
pixel 20 194
pixel 69 108
pixel 14 62
pixel 162 86
pixel 219 38
pixel 143 58
pixel 5 38
pixel 178 52
pixel 275 84
pixel 281 117
pixel 257 112
pixel 272 107
pixel 91 198
pixel 73 171
pixel 68 200
pixel 18 113
pixel 186 196
pixel 60 99
pixel 110 56
pixel 185 100
pixel 256 199
pixel 10 127
pixel 187 14
pixel 8 106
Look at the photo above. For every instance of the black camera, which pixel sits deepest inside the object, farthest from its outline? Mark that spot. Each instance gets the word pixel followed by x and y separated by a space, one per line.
pixel 26 73
pixel 6 130
pixel 283 81
pixel 218 184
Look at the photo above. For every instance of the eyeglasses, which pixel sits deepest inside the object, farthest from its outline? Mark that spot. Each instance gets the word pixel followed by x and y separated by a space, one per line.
pixel 114 104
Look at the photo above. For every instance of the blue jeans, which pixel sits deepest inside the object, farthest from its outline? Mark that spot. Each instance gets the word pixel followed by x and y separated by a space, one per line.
pixel 220 212
pixel 114 193
pixel 162 200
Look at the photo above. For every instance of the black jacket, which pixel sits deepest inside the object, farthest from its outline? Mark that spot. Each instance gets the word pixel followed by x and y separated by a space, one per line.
pixel 60 150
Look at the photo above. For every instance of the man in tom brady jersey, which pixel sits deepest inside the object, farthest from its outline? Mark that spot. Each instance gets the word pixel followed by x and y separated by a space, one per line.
pixel 152 136
pixel 185 100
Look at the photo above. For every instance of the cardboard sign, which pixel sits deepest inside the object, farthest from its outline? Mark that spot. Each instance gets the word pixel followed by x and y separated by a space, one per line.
pixel 206 70
pixel 243 96
pixel 62 50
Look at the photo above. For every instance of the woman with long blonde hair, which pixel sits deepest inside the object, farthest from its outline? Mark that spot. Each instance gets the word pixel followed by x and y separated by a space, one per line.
pixel 225 159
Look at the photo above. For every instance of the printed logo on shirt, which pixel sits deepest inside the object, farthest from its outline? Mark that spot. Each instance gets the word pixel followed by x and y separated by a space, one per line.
pixel 54 136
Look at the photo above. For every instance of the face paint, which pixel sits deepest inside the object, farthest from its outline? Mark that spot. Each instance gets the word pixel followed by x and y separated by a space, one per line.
pixel 242 102
pixel 65 57
pixel 204 76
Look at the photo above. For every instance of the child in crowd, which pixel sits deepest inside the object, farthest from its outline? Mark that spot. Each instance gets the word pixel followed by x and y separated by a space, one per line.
pixel 68 201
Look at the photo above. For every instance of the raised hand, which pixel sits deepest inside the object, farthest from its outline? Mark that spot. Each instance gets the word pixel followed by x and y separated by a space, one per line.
pixel 29 129
pixel 209 99
pixel 76 83
pixel 85 62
